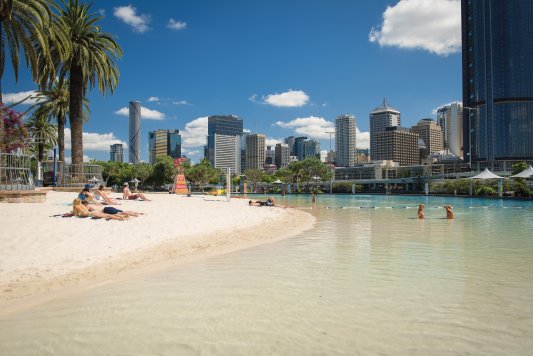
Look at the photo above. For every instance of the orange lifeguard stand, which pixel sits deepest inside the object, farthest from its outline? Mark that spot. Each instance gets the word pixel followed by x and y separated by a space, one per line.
pixel 180 185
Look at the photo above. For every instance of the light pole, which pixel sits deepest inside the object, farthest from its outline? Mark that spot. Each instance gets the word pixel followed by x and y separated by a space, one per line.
pixel 330 152
pixel 330 159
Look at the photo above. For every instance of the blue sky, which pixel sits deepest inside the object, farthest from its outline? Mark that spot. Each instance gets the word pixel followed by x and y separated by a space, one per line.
pixel 286 67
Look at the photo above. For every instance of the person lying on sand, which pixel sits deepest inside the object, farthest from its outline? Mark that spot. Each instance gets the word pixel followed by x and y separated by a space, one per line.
pixel 79 210
pixel 101 196
pixel 111 210
pixel 127 194
pixel 268 202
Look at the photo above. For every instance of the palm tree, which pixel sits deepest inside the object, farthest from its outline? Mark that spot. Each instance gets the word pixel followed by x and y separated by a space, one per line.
pixel 24 24
pixel 42 133
pixel 90 62
pixel 53 104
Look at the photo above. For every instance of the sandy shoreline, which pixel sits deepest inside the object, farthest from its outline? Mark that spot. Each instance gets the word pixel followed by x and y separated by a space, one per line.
pixel 42 257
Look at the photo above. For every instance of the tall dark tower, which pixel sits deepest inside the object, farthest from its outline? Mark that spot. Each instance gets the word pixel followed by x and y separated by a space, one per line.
pixel 497 82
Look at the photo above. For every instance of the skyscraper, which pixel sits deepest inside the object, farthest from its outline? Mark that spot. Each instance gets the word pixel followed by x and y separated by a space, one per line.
pixel 116 153
pixel 380 118
pixel 134 152
pixel 164 142
pixel 255 151
pixel 431 134
pixel 345 141
pixel 398 144
pixel 299 147
pixel 224 142
pixel 450 119
pixel 312 148
pixel 281 155
pixel 291 144
pixel 497 82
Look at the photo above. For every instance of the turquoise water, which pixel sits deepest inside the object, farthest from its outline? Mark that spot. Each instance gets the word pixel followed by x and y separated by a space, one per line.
pixel 368 279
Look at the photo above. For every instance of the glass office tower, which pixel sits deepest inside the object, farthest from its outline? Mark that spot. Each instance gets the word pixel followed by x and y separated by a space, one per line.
pixel 497 82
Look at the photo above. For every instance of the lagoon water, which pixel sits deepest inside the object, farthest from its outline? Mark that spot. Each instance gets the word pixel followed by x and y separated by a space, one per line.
pixel 368 279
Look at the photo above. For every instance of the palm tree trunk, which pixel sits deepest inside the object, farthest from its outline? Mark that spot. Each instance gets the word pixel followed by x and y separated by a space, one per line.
pixel 76 90
pixel 41 152
pixel 61 137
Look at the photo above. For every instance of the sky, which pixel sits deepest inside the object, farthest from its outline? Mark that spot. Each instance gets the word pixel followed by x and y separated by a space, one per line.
pixel 286 67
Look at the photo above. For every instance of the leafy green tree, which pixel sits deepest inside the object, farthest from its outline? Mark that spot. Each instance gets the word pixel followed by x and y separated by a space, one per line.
pixel 254 176
pixel 89 62
pixel 163 171
pixel 519 167
pixel 144 172
pixel 43 133
pixel 201 173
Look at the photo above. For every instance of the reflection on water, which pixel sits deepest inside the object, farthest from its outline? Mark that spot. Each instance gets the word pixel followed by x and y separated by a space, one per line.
pixel 368 279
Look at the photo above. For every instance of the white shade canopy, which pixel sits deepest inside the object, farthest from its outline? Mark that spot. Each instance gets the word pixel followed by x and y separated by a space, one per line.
pixel 278 181
pixel 485 174
pixel 527 173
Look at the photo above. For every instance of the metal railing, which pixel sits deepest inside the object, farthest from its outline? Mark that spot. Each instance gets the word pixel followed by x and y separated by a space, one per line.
pixel 70 175
pixel 15 172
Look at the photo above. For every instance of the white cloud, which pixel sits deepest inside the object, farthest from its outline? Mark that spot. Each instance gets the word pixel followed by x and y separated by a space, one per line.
pixel 94 141
pixel 86 158
pixel 270 141
pixel 127 14
pixel 146 114
pixel 362 139
pixel 431 25
pixel 195 132
pixel 176 25
pixel 11 98
pixel 102 12
pixel 291 98
pixel 153 99
pixel 180 102
pixel 312 126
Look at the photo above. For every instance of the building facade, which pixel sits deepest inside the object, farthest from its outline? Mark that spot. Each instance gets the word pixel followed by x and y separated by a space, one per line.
pixel 281 155
pixel 164 142
pixel 134 129
pixel 497 82
pixel 362 155
pixel 450 118
pixel 430 132
pixel 312 148
pixel 380 118
pixel 116 153
pixel 255 151
pixel 224 142
pixel 398 144
pixel 269 155
pixel 290 141
pixel 299 147
pixel 345 141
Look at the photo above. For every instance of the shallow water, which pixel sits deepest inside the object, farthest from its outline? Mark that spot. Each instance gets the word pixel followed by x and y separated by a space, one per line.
pixel 368 279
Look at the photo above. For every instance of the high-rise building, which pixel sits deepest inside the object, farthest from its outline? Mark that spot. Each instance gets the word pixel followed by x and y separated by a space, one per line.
pixel 281 155
pixel 380 118
pixel 362 155
pixel 164 142
pixel 312 148
pixel 398 144
pixel 299 147
pixel 269 155
pixel 244 150
pixel 432 135
pixel 291 144
pixel 345 140
pixel 497 82
pixel 255 151
pixel 134 128
pixel 450 119
pixel 116 153
pixel 224 142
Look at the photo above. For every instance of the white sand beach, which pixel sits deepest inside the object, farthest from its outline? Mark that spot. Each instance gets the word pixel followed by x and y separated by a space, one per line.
pixel 42 255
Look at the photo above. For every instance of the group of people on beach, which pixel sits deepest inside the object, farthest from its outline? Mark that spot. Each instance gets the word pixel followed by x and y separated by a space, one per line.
pixel 91 205
pixel 421 211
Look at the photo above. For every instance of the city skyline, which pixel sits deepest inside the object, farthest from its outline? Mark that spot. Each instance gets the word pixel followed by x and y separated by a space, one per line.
pixel 286 69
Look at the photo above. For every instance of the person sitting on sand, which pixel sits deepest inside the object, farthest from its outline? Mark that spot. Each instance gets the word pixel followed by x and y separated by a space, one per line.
pixel 126 194
pixel 86 195
pixel 101 196
pixel 79 210
pixel 421 211
pixel 450 214
pixel 111 210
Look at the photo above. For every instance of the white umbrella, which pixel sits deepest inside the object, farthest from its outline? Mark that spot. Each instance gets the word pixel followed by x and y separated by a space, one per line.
pixel 485 174
pixel 278 181
pixel 527 173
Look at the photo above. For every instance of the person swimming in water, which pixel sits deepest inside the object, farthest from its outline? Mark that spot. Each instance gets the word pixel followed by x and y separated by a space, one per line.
pixel 421 211
pixel 448 209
